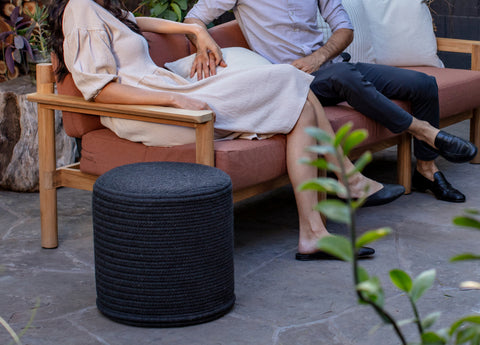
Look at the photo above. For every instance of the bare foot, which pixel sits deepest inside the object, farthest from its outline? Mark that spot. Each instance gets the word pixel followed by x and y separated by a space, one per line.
pixel 363 186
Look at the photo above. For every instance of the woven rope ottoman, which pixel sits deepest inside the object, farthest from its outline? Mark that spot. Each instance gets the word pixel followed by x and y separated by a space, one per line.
pixel 163 239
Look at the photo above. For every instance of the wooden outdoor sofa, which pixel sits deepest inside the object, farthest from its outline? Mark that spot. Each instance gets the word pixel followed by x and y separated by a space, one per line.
pixel 254 166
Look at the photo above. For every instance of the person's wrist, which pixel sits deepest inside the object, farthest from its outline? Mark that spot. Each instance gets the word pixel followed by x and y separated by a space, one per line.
pixel 197 30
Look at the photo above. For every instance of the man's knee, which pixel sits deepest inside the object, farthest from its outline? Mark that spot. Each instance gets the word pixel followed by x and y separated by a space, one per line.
pixel 426 85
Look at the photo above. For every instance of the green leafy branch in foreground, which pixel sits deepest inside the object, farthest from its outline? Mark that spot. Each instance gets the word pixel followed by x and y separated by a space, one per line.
pixel 368 288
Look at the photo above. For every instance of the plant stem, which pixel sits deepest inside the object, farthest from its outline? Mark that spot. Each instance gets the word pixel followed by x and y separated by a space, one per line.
pixel 417 317
pixel 353 239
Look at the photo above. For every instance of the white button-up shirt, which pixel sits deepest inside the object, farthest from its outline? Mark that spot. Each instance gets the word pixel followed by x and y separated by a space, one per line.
pixel 279 30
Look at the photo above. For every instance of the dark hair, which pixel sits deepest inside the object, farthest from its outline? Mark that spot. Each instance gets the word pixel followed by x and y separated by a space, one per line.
pixel 55 17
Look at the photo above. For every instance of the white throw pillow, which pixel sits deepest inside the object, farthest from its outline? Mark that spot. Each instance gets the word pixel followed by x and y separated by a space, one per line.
pixel 402 33
pixel 361 48
pixel 235 57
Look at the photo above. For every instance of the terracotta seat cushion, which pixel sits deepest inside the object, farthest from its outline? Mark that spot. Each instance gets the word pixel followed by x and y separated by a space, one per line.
pixel 342 113
pixel 457 89
pixel 248 162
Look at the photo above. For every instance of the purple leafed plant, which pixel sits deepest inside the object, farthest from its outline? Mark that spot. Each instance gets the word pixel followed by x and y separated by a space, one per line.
pixel 16 41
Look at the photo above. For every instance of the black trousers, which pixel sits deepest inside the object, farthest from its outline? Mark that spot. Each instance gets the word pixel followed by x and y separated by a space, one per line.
pixel 368 88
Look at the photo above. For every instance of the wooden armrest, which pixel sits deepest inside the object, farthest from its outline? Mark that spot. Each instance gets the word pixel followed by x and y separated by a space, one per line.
pixel 454 45
pixel 79 105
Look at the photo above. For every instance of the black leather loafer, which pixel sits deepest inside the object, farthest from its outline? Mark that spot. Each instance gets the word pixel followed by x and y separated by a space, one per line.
pixel 387 194
pixel 440 187
pixel 363 253
pixel 453 148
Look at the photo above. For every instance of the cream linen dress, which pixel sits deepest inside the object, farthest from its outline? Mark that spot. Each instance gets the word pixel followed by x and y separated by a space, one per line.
pixel 99 49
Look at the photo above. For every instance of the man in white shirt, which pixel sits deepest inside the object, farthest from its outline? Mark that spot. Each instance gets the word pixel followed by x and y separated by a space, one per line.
pixel 286 31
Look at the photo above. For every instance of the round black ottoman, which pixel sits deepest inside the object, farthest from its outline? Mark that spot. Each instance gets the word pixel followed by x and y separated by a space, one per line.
pixel 163 238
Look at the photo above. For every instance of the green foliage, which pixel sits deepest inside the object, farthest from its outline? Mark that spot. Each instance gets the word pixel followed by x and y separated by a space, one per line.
pixel 167 9
pixel 338 246
pixel 38 38
pixel 465 331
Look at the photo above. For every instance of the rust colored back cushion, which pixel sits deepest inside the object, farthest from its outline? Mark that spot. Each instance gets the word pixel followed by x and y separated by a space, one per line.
pixel 166 48
pixel 75 124
pixel 228 35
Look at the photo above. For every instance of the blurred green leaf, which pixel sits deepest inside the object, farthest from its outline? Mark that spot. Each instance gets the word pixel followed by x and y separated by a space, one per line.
pixel 371 290
pixel 337 246
pixel 422 283
pixel 465 256
pixel 158 9
pixel 361 163
pixel 169 15
pixel 355 138
pixel 319 134
pixel 472 211
pixel 406 322
pixel 430 319
pixel 467 319
pixel 177 10
pixel 467 334
pixel 324 184
pixel 467 222
pixel 341 133
pixel 431 338
pixel 401 280
pixel 320 163
pixel 334 210
pixel 372 236
pixel 322 149
pixel 362 274
pixel 183 4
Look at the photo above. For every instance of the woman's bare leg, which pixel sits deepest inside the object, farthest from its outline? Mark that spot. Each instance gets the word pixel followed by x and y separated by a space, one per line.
pixel 310 222
pixel 311 225
pixel 358 183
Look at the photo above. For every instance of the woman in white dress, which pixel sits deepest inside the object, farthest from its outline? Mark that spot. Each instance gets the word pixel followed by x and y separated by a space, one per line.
pixel 104 50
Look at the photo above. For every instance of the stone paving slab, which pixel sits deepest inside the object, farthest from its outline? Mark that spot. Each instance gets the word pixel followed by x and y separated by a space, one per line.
pixel 280 301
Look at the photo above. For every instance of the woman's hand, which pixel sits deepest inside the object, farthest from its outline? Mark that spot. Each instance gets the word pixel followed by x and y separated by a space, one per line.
pixel 185 102
pixel 208 57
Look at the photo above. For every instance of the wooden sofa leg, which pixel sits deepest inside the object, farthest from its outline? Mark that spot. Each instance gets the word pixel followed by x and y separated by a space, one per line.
pixel 475 133
pixel 47 167
pixel 47 162
pixel 404 162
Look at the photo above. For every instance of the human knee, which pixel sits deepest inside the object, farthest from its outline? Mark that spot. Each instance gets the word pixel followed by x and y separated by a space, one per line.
pixel 426 85
pixel 347 77
pixel 307 117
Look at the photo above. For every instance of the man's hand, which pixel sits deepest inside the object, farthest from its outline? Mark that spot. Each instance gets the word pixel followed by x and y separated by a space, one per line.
pixel 309 64
pixel 336 44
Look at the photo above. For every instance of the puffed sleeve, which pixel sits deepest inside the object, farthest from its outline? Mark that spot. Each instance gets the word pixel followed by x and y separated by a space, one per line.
pixel 89 57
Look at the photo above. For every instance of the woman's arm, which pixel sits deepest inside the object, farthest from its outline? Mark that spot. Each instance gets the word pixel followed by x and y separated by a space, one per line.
pixel 124 94
pixel 164 26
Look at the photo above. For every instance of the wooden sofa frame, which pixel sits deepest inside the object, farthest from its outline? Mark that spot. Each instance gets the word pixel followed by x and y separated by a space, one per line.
pixel 52 177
